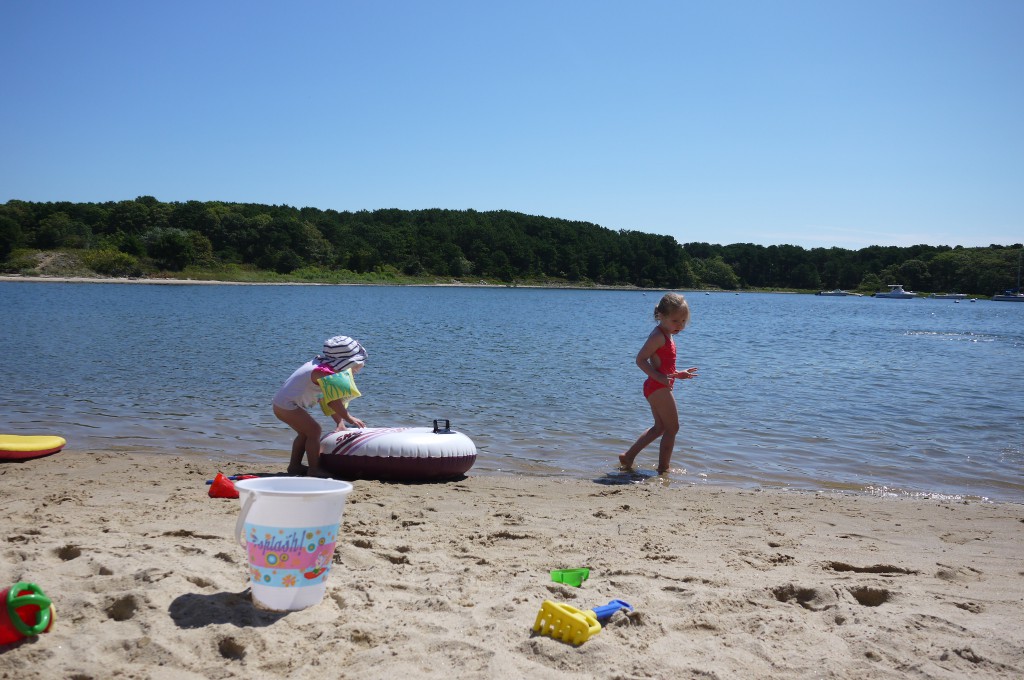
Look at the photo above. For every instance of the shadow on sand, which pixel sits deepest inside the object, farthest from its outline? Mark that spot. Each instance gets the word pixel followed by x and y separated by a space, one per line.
pixel 193 610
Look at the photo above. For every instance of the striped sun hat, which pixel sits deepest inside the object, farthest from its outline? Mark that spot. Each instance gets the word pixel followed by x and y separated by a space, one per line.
pixel 341 352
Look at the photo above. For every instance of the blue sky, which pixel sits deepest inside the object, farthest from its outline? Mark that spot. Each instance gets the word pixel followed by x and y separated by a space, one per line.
pixel 814 123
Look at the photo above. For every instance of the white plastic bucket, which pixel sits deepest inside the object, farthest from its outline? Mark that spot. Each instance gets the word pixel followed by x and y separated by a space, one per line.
pixel 289 526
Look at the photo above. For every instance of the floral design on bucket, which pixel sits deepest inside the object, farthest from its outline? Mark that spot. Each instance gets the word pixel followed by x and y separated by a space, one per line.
pixel 290 557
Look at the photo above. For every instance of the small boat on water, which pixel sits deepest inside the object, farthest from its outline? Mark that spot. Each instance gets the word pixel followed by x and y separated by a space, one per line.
pixel 948 296
pixel 1014 295
pixel 838 292
pixel 896 292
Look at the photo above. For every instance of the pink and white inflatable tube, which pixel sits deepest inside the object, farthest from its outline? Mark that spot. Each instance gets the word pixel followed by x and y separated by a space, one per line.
pixel 398 453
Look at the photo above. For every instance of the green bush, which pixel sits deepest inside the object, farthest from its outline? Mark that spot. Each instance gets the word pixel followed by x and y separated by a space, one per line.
pixel 21 261
pixel 112 263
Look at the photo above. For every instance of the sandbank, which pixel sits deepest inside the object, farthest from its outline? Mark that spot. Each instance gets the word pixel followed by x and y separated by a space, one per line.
pixel 445 580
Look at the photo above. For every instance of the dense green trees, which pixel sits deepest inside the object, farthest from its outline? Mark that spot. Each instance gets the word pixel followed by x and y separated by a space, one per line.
pixel 128 238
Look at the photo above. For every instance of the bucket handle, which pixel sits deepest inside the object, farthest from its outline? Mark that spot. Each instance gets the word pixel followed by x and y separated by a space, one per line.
pixel 240 524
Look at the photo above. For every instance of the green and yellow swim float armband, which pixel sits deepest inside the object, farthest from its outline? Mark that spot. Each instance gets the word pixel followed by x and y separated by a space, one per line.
pixel 337 386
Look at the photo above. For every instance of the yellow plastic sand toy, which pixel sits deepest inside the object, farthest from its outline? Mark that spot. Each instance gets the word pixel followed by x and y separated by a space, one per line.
pixel 566 623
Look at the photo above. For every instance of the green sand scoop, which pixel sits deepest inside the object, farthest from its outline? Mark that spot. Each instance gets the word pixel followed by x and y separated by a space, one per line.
pixel 570 577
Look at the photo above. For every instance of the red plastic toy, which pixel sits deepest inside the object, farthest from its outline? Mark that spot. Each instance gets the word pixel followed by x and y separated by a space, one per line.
pixel 221 486
pixel 24 612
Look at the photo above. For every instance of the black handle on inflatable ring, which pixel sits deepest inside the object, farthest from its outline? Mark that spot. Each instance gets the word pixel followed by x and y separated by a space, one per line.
pixel 447 427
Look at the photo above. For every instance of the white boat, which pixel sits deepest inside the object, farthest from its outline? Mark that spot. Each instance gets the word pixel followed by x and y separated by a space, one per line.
pixel 948 296
pixel 896 291
pixel 833 293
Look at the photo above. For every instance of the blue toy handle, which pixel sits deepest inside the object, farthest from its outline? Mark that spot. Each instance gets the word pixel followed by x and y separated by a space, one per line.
pixel 233 478
pixel 605 612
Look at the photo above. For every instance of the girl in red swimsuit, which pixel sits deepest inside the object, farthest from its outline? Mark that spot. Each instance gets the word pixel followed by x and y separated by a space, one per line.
pixel 657 358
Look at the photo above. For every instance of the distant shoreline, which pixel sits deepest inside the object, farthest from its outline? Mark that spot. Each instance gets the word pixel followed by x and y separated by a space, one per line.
pixel 460 284
pixel 168 282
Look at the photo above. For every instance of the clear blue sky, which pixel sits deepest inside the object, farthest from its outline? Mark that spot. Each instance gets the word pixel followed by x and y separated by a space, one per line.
pixel 815 123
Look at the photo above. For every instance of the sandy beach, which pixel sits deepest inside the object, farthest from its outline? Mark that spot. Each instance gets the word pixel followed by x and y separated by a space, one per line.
pixel 451 283
pixel 445 580
pixel 153 281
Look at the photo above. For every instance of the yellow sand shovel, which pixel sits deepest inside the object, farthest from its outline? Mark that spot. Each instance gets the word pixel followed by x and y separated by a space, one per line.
pixel 566 623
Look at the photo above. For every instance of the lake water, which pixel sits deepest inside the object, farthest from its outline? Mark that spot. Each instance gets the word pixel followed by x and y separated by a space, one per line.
pixel 905 397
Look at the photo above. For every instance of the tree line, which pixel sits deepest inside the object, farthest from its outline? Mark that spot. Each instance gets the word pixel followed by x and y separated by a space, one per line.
pixel 145 236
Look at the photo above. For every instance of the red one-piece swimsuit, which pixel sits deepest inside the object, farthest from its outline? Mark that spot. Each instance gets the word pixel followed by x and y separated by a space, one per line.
pixel 667 354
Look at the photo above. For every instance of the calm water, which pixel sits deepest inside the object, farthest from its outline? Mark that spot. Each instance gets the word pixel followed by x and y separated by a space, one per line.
pixel 886 396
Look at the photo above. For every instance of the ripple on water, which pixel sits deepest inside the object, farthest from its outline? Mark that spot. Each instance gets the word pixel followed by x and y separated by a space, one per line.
pixel 794 391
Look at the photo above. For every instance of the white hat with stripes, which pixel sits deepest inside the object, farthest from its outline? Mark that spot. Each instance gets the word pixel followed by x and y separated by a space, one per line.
pixel 341 352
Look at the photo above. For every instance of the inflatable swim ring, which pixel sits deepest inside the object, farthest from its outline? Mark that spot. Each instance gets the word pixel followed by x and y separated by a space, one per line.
pixel 23 447
pixel 398 453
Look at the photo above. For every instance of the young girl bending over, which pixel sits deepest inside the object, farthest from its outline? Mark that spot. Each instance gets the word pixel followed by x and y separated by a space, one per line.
pixel 657 358
pixel 330 374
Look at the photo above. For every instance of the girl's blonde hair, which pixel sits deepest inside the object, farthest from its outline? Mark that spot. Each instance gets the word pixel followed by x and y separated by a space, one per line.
pixel 672 302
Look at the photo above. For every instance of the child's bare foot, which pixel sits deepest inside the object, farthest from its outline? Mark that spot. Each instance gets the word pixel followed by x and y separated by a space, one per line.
pixel 317 472
pixel 298 471
pixel 624 462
